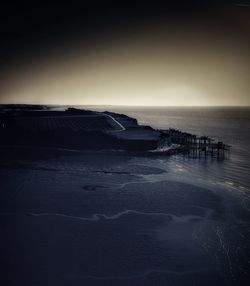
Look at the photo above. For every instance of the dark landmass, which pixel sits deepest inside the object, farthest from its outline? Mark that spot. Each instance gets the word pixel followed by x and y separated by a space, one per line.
pixel 20 107
pixel 74 128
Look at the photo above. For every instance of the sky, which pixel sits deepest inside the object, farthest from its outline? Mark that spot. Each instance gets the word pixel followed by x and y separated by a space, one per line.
pixel 150 55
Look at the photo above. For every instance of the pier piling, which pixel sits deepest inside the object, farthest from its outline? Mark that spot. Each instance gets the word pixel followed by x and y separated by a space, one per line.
pixel 193 145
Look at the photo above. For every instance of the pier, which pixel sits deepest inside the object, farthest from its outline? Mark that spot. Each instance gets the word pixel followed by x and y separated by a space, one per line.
pixel 194 145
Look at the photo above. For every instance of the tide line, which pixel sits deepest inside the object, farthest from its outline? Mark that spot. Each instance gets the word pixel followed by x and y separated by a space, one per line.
pixel 99 216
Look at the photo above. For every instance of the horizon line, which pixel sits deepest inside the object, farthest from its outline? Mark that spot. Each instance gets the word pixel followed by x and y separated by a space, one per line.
pixel 123 105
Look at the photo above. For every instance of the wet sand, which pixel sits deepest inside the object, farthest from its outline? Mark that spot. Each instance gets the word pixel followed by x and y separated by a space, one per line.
pixel 79 218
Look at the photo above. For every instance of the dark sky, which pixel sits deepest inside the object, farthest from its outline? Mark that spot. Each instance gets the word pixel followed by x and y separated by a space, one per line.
pixel 57 33
pixel 27 29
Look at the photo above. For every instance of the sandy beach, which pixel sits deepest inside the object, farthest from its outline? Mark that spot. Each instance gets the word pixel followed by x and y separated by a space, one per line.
pixel 106 219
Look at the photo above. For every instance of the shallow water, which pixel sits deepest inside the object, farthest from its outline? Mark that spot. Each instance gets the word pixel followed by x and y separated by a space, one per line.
pixel 231 125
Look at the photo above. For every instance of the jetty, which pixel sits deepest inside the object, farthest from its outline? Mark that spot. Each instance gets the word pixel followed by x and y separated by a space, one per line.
pixel 193 145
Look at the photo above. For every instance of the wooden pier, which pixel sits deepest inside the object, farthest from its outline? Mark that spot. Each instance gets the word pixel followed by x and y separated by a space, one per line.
pixel 193 145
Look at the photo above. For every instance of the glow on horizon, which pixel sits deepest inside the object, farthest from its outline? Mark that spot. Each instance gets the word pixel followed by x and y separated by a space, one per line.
pixel 147 70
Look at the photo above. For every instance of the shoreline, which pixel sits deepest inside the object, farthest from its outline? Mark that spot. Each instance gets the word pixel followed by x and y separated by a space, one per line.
pixel 78 129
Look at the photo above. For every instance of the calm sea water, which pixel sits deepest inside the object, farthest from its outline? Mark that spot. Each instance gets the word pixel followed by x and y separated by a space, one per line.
pixel 231 125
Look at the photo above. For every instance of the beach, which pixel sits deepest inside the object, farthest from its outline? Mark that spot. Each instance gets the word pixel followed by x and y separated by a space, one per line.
pixel 92 218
